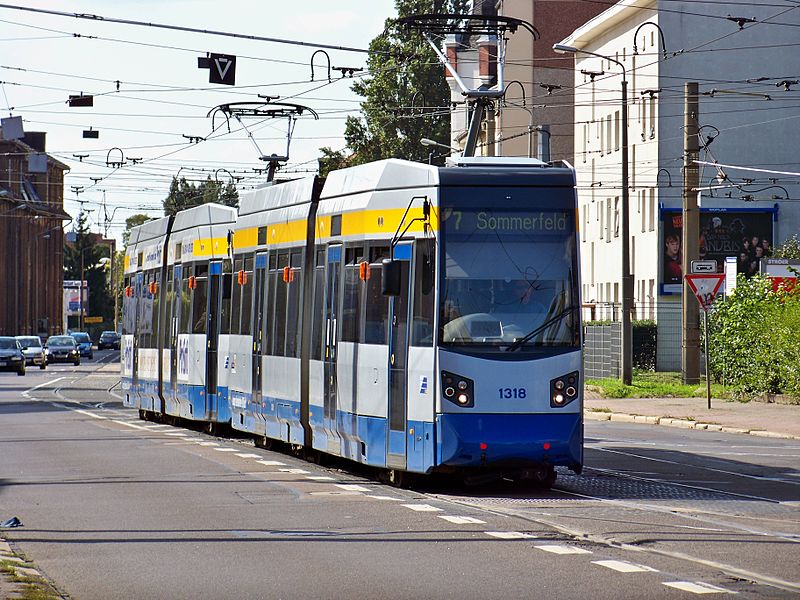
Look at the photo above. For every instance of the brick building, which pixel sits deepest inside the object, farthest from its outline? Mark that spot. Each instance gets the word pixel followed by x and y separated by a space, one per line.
pixel 31 237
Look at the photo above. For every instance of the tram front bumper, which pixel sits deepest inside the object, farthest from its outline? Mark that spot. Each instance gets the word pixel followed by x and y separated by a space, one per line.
pixel 471 440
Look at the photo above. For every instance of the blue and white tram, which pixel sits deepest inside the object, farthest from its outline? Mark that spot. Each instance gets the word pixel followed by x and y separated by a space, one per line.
pixel 410 317
pixel 177 282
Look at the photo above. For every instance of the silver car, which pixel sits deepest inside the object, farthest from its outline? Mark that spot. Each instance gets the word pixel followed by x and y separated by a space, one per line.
pixel 33 350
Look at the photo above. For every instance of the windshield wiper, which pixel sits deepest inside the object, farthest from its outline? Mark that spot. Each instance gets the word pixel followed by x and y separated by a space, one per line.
pixel 540 328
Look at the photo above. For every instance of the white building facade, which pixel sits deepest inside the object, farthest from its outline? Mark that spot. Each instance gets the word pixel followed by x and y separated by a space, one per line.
pixel 749 116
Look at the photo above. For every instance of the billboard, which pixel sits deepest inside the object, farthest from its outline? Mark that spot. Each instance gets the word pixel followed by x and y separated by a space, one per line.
pixel 72 299
pixel 743 233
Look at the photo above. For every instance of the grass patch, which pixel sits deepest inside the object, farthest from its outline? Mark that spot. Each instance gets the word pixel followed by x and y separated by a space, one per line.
pixel 31 588
pixel 647 384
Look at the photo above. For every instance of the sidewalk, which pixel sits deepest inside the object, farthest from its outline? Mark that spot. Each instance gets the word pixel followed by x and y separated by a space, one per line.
pixel 754 418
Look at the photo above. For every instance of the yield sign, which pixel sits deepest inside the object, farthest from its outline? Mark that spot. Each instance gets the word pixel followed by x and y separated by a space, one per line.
pixel 705 287
pixel 222 69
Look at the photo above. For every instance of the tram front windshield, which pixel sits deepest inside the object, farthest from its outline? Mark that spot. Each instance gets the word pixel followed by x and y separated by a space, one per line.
pixel 509 278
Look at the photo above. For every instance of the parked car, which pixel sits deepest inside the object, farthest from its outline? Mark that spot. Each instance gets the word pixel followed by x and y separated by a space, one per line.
pixel 84 343
pixel 33 350
pixel 63 348
pixel 108 339
pixel 11 357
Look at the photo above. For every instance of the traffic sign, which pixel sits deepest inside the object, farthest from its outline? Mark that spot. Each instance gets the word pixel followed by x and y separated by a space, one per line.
pixel 222 69
pixel 704 266
pixel 705 287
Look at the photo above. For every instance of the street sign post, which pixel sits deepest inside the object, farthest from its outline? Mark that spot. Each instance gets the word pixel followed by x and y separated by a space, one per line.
pixel 705 287
pixel 704 266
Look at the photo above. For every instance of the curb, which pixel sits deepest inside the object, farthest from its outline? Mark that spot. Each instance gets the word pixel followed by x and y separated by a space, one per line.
pixel 591 415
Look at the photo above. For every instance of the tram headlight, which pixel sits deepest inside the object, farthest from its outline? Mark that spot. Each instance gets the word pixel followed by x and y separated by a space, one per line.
pixel 458 390
pixel 564 389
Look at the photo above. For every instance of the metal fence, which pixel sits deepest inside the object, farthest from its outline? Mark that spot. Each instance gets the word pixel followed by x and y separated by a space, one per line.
pixel 656 338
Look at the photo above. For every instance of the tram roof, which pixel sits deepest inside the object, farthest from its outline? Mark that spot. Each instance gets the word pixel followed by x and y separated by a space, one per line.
pixel 205 214
pixel 391 173
pixel 270 196
pixel 149 230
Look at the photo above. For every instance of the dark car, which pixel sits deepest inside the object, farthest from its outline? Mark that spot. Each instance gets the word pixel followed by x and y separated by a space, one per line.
pixel 33 350
pixel 63 348
pixel 84 343
pixel 108 339
pixel 11 357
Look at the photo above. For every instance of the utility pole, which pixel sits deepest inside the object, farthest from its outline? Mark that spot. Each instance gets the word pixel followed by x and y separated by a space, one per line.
pixel 690 314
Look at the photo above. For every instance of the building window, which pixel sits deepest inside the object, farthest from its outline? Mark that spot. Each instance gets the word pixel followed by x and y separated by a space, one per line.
pixel 642 210
pixel 616 216
pixel 616 130
pixel 652 209
pixel 608 135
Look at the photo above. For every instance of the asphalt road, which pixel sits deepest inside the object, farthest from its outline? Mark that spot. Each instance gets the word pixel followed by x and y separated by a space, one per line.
pixel 115 507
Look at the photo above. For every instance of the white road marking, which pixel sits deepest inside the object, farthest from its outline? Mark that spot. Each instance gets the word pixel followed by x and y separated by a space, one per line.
pixel 126 424
pixel 294 471
pixel 176 433
pixel 624 567
pixel 350 487
pixel 335 493
pixel 387 498
pixel 89 414
pixel 41 385
pixel 510 535
pixel 460 520
pixel 697 587
pixel 320 478
pixel 248 455
pixel 271 463
pixel 422 507
pixel 209 444
pixel 223 449
pixel 558 549
pixel 158 426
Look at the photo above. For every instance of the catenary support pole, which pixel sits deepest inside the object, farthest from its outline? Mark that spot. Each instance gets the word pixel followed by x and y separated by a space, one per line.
pixel 690 315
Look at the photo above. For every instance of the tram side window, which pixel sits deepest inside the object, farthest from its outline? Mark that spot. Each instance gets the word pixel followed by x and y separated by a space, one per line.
pixel 424 277
pixel 247 297
pixel 294 286
pixel 200 299
pixel 169 298
pixel 281 292
pixel 225 305
pixel 186 302
pixel 351 313
pixel 145 323
pixel 317 319
pixel 128 306
pixel 236 295
pixel 377 308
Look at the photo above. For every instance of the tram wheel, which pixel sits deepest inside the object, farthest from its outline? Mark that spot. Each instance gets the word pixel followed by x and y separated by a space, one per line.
pixel 210 428
pixel 263 442
pixel 398 478
pixel 142 414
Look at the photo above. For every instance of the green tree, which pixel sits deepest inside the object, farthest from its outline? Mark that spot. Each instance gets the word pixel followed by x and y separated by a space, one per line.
pixel 406 98
pixel 184 194
pixel 789 249
pixel 100 302
pixel 130 223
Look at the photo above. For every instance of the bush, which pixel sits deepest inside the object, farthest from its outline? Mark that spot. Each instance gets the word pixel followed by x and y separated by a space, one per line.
pixel 644 344
pixel 755 339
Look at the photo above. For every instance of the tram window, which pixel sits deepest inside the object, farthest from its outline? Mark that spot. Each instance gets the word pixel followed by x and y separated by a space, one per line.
pixel 293 313
pixel 378 253
pixel 377 311
pixel 225 305
pixel 200 299
pixel 127 310
pixel 236 297
pixel 279 347
pixel 422 323
pixel 350 305
pixel 185 295
pixel 169 298
pixel 247 297
pixel 273 261
pixel 317 319
pixel 268 346
pixel 266 323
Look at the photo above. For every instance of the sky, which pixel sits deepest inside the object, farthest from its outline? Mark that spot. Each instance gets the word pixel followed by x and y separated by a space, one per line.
pixel 149 92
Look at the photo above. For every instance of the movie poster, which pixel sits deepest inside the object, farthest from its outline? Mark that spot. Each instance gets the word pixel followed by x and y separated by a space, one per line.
pixel 743 234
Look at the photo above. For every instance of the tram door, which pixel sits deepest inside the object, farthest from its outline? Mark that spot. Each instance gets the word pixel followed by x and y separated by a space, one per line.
pixel 173 330
pixel 334 275
pixel 139 289
pixel 259 277
pixel 398 362
pixel 212 339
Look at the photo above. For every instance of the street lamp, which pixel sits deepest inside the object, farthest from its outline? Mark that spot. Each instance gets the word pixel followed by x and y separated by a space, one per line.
pixel 627 281
pixel 428 142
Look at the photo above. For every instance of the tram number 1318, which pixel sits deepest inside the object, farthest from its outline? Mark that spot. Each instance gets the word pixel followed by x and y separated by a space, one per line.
pixel 508 393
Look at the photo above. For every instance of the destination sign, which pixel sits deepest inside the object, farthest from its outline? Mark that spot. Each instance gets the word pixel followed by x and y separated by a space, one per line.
pixel 491 221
